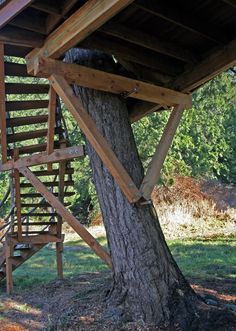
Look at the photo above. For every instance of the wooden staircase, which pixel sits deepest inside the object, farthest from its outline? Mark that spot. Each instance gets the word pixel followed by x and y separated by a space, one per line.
pixel 32 223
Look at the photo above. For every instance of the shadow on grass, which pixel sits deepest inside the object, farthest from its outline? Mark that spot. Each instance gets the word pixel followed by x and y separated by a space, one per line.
pixel 206 260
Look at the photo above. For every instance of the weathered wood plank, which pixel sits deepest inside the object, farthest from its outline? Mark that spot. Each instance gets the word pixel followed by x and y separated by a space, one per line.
pixel 155 166
pixel 3 106
pixel 78 26
pixel 43 158
pixel 11 9
pixel 51 122
pixel 98 142
pixel 67 216
pixel 104 81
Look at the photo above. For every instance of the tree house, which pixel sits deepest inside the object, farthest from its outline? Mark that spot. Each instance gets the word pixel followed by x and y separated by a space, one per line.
pixel 165 49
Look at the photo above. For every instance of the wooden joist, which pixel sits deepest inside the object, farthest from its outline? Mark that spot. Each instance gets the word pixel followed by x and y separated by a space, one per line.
pixel 42 158
pixel 78 26
pixel 20 37
pixel 3 107
pixel 145 40
pixel 11 9
pixel 155 166
pixel 133 53
pixel 98 142
pixel 213 64
pixel 180 16
pixel 104 81
pixel 67 216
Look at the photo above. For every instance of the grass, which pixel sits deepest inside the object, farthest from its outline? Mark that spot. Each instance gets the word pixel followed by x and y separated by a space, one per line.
pixel 204 259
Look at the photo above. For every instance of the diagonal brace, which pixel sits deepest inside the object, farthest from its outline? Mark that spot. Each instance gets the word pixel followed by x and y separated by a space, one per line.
pixel 95 138
pixel 66 215
pixel 155 166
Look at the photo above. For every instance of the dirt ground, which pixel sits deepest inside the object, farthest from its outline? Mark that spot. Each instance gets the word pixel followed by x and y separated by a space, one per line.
pixel 79 304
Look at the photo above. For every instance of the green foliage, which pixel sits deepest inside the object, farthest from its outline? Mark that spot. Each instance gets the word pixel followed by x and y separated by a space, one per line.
pixel 205 141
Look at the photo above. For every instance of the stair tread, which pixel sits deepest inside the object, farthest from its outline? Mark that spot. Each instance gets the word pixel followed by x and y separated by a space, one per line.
pixel 21 88
pixel 26 120
pixel 36 195
pixel 28 135
pixel 33 148
pixel 66 183
pixel 38 214
pixel 26 105
pixel 53 172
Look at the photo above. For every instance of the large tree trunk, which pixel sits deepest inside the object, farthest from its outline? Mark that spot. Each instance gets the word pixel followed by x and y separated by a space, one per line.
pixel 147 283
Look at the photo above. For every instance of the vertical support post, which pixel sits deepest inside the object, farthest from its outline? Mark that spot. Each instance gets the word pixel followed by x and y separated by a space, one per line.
pixel 155 166
pixel 61 190
pixel 3 106
pixel 9 278
pixel 17 196
pixel 51 122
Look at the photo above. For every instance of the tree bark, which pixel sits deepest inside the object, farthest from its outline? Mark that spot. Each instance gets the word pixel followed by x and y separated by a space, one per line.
pixel 147 283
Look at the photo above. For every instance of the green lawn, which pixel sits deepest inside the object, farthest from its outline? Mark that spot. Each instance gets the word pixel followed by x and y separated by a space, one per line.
pixel 203 259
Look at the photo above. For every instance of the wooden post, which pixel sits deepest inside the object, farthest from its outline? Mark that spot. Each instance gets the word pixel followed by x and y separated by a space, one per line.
pixel 66 215
pixel 155 166
pixel 17 196
pixel 51 122
pixel 61 189
pixel 9 278
pixel 59 252
pixel 3 106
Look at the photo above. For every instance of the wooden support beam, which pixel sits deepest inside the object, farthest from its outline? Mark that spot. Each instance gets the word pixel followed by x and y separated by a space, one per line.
pixel 9 278
pixel 17 196
pixel 155 166
pixel 98 142
pixel 21 37
pixel 3 106
pixel 104 81
pixel 212 65
pixel 51 122
pixel 78 26
pixel 146 40
pixel 132 53
pixel 43 158
pixel 11 9
pixel 67 216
